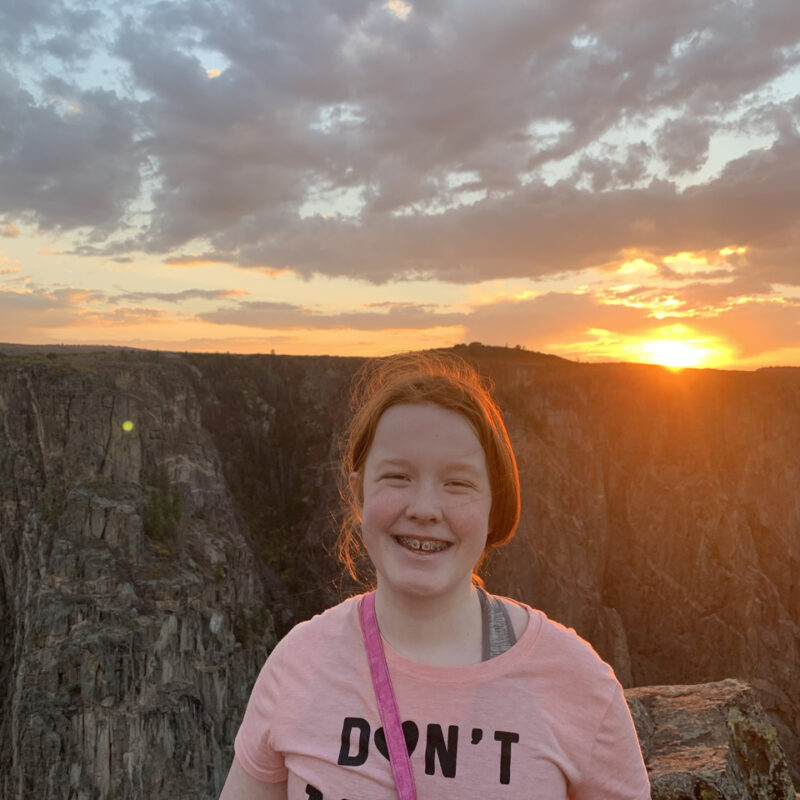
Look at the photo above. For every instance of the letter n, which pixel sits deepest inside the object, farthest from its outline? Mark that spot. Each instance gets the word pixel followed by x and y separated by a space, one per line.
pixel 435 747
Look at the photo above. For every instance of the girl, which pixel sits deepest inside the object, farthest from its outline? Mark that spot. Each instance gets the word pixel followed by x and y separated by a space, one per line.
pixel 494 700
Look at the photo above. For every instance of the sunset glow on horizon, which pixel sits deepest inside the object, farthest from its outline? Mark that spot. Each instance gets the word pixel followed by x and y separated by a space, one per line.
pixel 361 179
pixel 677 353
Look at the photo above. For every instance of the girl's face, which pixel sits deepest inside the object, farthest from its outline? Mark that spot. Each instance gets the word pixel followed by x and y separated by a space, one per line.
pixel 425 501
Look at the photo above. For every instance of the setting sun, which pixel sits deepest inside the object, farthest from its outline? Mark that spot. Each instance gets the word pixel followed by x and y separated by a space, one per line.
pixel 677 347
pixel 674 354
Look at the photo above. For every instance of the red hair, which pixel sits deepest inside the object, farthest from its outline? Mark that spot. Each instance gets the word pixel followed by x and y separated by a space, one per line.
pixel 449 382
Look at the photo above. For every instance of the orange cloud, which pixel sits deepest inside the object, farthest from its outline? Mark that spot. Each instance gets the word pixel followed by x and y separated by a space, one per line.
pixel 195 260
pixel 121 316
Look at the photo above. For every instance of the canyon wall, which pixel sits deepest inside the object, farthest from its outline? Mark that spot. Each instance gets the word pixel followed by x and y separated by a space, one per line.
pixel 133 613
pixel 662 520
pixel 164 518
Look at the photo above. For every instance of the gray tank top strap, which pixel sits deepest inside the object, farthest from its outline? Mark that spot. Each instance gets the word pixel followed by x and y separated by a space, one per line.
pixel 498 632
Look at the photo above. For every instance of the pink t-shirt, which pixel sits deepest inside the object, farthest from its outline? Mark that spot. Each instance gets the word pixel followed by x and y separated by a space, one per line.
pixel 546 719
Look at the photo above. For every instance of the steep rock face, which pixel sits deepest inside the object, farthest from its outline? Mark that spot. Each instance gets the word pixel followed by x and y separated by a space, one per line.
pixel 134 617
pixel 661 519
pixel 276 421
pixel 711 741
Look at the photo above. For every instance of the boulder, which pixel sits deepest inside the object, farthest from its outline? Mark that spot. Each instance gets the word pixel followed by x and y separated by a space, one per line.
pixel 711 741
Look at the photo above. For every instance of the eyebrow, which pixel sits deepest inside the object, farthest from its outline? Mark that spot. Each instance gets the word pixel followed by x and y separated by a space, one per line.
pixel 454 466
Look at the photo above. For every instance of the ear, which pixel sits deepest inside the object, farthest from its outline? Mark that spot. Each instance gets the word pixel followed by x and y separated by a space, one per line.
pixel 357 489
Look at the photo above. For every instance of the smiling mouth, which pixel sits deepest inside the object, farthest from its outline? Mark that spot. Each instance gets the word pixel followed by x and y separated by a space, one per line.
pixel 422 545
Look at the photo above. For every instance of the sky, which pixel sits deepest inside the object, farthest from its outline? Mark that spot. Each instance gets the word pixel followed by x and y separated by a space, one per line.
pixel 615 180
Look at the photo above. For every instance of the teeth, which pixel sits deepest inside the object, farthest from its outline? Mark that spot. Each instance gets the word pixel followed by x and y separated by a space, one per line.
pixel 426 546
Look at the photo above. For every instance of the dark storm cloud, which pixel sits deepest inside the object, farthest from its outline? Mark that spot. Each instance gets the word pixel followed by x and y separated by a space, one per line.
pixel 409 116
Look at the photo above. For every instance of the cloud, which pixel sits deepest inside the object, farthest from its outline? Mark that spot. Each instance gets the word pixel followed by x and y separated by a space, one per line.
pixel 700 296
pixel 175 297
pixel 48 27
pixel 755 328
pixel 568 118
pixel 543 230
pixel 551 318
pixel 9 231
pixel 132 317
pixel 67 168
pixel 609 172
pixel 197 260
pixel 33 309
pixel 29 301
pixel 743 312
pixel 683 144
pixel 287 316
pixel 750 327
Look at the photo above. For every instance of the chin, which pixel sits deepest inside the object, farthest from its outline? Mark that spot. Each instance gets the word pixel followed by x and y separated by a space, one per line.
pixel 418 588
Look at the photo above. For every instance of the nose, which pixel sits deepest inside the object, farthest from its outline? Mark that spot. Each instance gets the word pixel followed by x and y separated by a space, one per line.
pixel 423 505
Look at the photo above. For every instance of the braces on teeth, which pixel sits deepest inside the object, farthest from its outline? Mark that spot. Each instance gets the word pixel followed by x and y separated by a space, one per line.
pixel 426 546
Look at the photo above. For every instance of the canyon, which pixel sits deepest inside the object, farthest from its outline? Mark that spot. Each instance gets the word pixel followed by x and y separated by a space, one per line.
pixel 166 517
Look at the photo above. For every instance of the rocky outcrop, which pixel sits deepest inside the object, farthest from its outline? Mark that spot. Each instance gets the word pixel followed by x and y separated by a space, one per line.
pixel 147 568
pixel 709 742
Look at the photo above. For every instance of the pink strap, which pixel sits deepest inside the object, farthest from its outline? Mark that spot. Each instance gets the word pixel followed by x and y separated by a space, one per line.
pixel 387 703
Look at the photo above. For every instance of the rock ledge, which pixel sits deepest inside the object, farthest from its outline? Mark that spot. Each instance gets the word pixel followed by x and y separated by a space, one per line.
pixel 711 741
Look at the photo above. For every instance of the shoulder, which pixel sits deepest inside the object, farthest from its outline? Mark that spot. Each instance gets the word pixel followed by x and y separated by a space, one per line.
pixel 312 652
pixel 519 616
pixel 561 653
pixel 335 627
pixel 578 690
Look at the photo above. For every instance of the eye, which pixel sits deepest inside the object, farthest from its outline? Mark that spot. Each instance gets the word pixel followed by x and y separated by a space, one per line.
pixel 459 484
pixel 395 477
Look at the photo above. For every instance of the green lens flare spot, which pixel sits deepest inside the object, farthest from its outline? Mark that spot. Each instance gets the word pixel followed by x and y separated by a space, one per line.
pixel 127 426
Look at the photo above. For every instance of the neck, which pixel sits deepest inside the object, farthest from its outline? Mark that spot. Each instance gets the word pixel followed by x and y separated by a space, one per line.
pixel 437 631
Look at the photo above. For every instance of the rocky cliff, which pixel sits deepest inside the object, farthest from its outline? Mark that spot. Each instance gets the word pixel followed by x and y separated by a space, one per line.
pixel 133 612
pixel 163 518
pixel 662 520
